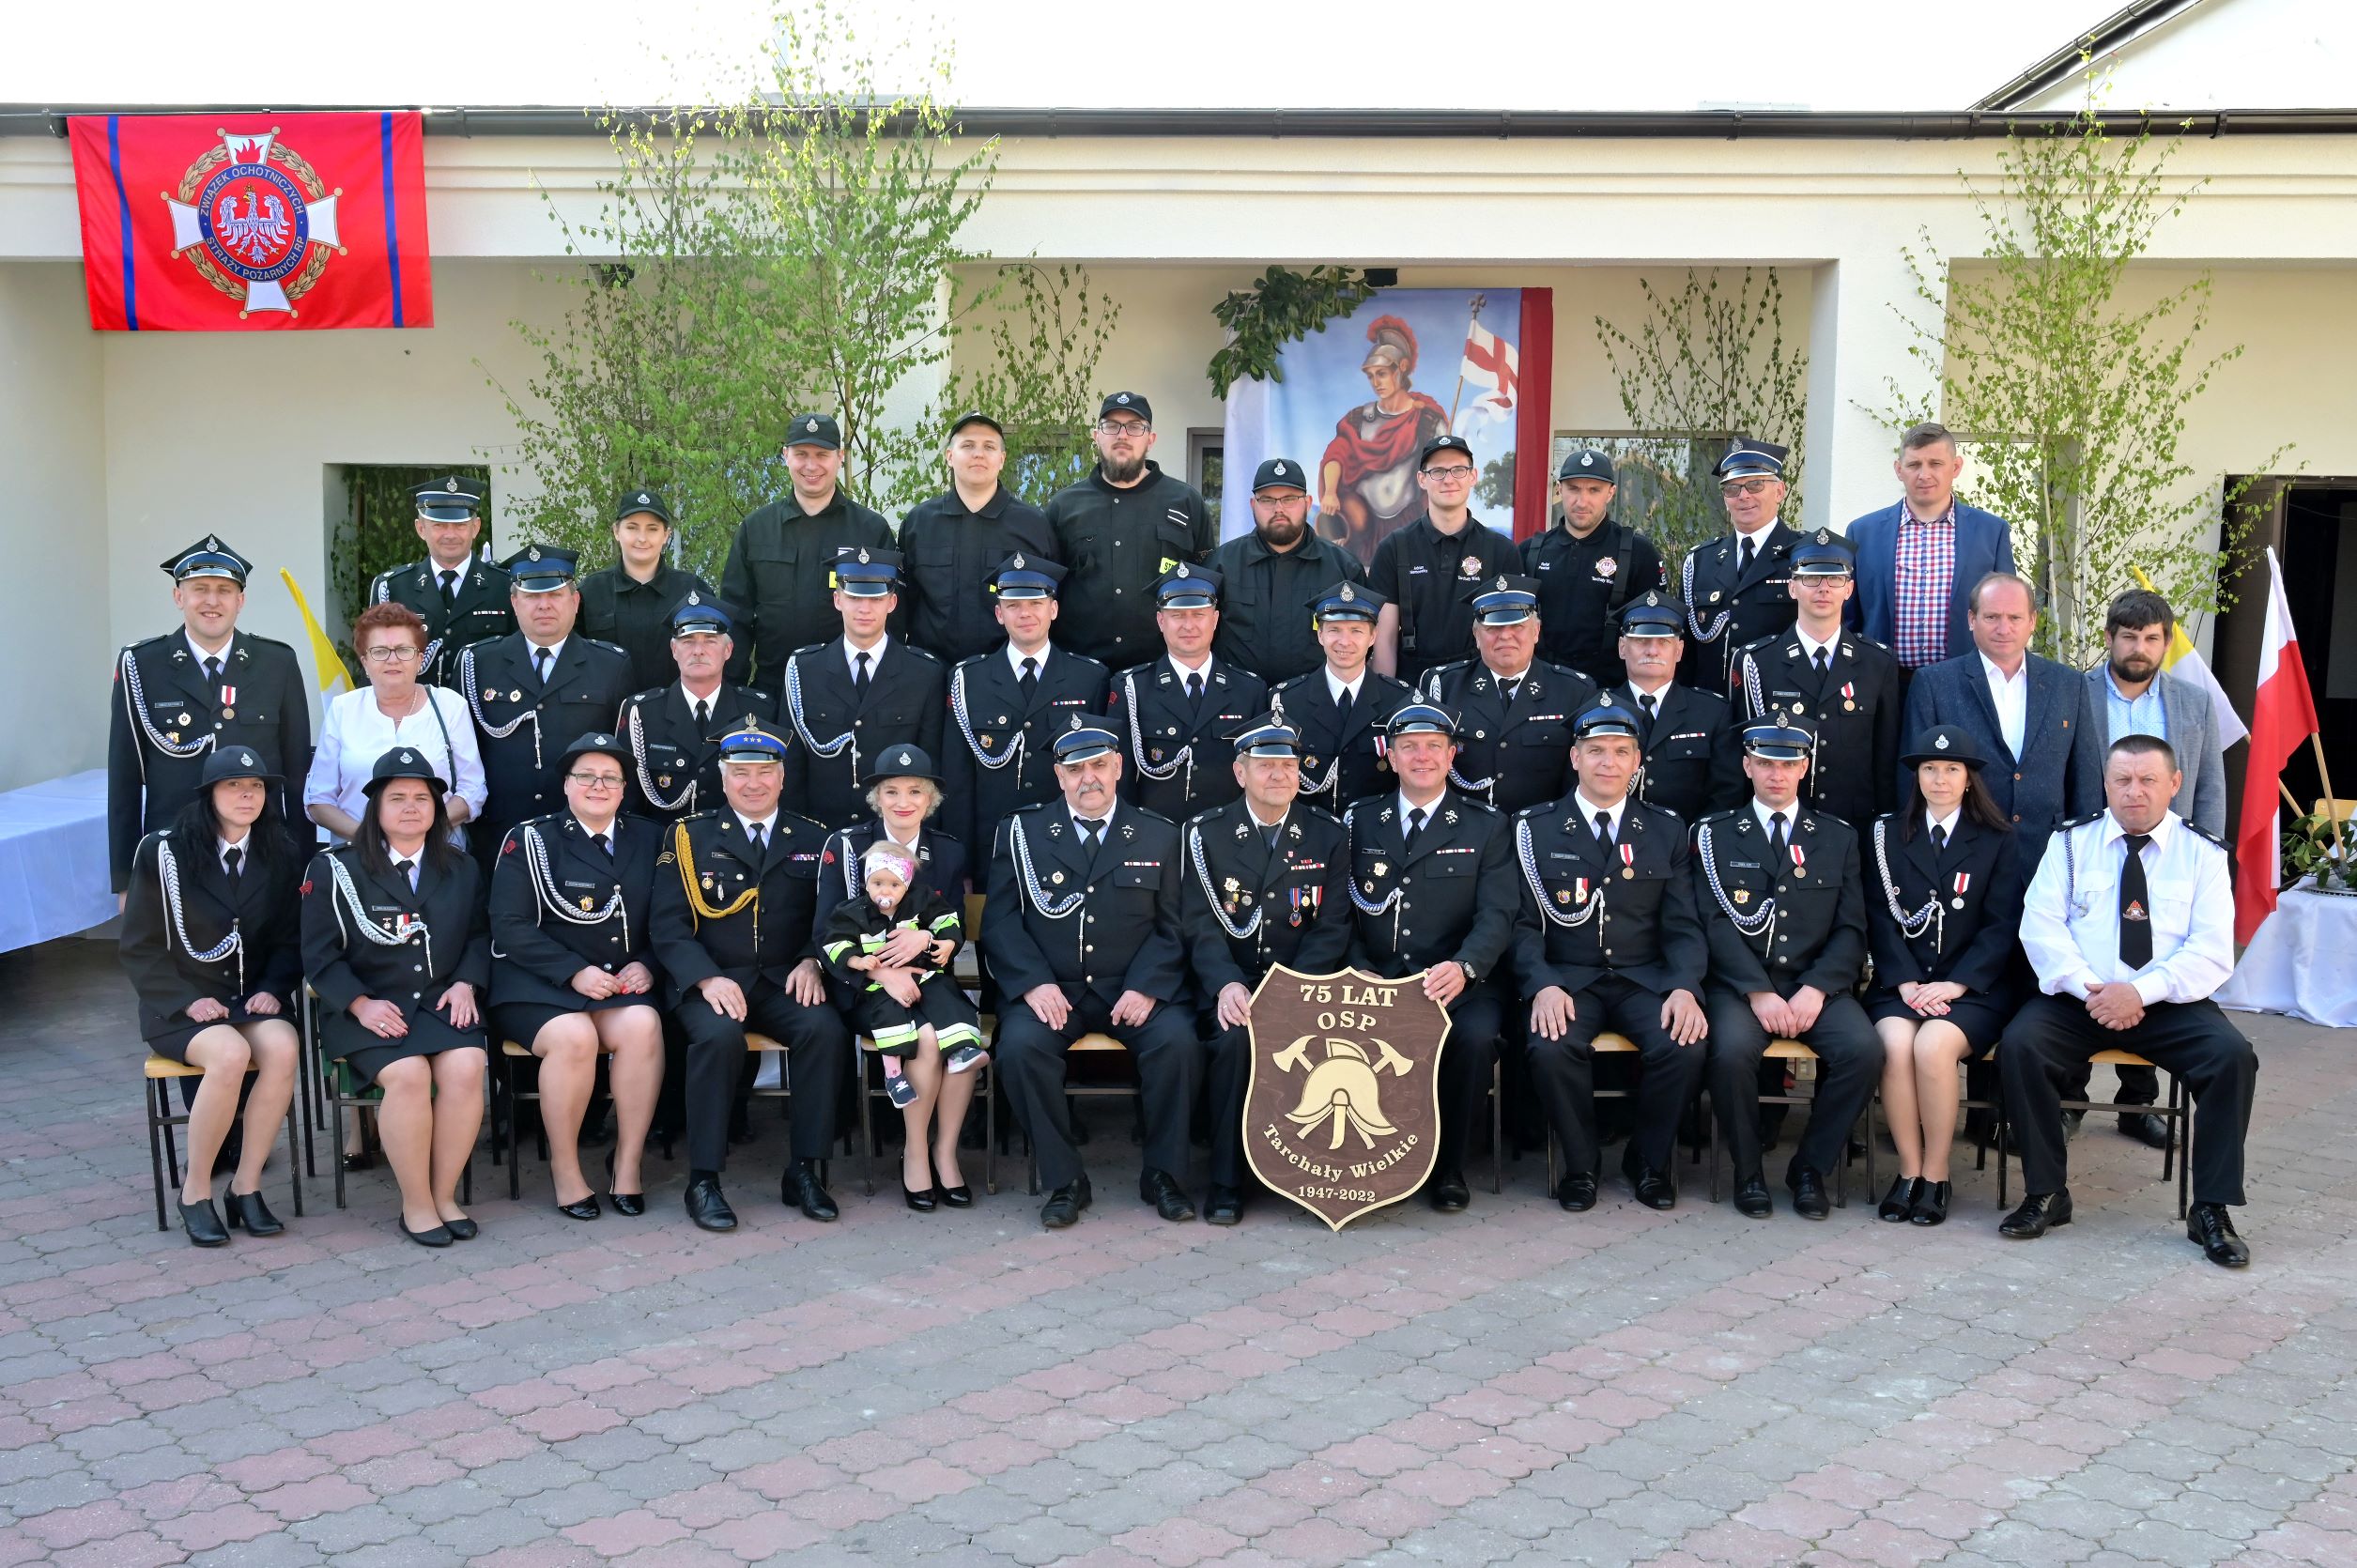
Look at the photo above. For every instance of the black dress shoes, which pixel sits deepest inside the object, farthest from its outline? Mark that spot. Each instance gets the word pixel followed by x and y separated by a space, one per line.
pixel 2039 1213
pixel 462 1229
pixel 1654 1190
pixel 2207 1223
pixel 2147 1127
pixel 1226 1207
pixel 707 1207
pixel 921 1199
pixel 249 1214
pixel 1809 1194
pixel 584 1209
pixel 362 1160
pixel 1930 1203
pixel 1170 1200
pixel 628 1205
pixel 438 1236
pixel 1751 1199
pixel 960 1196
pixel 1899 1203
pixel 1064 1205
pixel 802 1190
pixel 203 1223
pixel 1449 1192
pixel 1576 1193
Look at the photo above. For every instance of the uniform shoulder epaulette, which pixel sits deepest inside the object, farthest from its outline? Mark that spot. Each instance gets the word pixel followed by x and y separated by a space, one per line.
pixel 819 828
pixel 1481 805
pixel 614 647
pixel 484 642
pixel 1647 809
pixel 1450 668
pixel 2076 822
pixel 708 814
pixel 2203 833
pixel 150 641
pixel 925 654
pixel 260 642
pixel 1149 814
pixel 1719 816
pixel 1316 813
pixel 812 648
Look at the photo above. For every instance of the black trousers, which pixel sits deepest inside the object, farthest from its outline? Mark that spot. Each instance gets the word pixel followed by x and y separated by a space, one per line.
pixel 818 1047
pixel 1469 1061
pixel 1565 1072
pixel 2052 1038
pixel 1227 1074
pixel 1030 1057
pixel 2137 1085
pixel 1849 1065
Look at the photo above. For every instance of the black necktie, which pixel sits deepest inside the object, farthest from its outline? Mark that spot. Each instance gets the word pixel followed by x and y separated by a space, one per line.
pixel 1776 834
pixel 1415 827
pixel 1939 839
pixel 449 586
pixel 1652 705
pixel 1194 688
pixel 753 832
pixel 1603 828
pixel 1511 689
pixel 859 678
pixel 1092 832
pixel 1746 548
pixel 703 716
pixel 212 669
pixel 1030 679
pixel 1342 708
pixel 540 657
pixel 406 869
pixel 230 857
pixel 2136 905
pixel 603 842
pixel 1820 662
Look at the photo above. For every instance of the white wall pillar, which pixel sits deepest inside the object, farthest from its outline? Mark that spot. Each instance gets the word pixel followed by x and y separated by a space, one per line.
pixel 1857 346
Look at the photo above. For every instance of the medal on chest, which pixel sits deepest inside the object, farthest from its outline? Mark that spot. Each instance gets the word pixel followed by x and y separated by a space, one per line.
pixel 1800 861
pixel 1849 696
pixel 1964 880
pixel 1628 862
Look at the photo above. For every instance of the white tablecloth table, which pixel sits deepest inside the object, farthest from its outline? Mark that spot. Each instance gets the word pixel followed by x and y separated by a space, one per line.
pixel 2301 962
pixel 54 876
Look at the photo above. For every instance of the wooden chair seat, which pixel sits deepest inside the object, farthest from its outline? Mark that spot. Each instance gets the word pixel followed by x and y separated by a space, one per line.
pixel 1794 1050
pixel 156 1074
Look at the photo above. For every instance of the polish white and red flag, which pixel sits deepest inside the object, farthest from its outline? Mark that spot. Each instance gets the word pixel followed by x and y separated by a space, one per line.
pixel 2283 714
pixel 1489 363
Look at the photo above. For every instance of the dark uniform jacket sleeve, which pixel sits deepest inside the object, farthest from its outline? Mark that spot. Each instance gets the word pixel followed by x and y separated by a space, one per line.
pixel 1842 959
pixel 1733 963
pixel 671 923
pixel 124 796
pixel 1158 967
pixel 1015 961
pixel 515 927
pixel 146 944
pixel 1491 936
pixel 324 954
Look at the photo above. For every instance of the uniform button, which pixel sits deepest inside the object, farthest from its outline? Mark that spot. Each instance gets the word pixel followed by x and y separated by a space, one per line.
pixel 2017 816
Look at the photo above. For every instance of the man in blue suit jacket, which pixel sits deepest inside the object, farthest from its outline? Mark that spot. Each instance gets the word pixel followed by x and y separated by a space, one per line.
pixel 1936 530
pixel 2035 720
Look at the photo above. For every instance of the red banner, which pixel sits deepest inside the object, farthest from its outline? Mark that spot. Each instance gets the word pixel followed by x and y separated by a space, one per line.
pixel 253 222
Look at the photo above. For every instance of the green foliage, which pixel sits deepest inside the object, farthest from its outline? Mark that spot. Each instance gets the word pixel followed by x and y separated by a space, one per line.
pixel 2311 848
pixel 1283 307
pixel 1039 379
pixel 1703 367
pixel 377 532
pixel 2077 401
pixel 1495 488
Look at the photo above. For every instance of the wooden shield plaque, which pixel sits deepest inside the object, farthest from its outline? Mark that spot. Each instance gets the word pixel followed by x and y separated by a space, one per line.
pixel 1343 1114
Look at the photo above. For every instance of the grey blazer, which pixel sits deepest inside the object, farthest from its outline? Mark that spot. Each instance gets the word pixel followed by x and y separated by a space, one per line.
pixel 2193 726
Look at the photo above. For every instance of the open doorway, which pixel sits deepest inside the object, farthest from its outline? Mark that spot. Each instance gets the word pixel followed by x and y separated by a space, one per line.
pixel 372 526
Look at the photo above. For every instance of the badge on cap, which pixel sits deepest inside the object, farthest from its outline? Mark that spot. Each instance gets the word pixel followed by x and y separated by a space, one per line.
pixel 1122 398
pixel 863 555
pixel 1278 470
pixel 1587 459
pixel 245 758
pixel 1502 583
pixel 1347 594
pixel 407 758
pixel 452 486
pixel 1939 743
pixel 1017 561
pixel 1652 598
pixel 532 554
pixel 644 499
pixel 810 423
pixel 693 598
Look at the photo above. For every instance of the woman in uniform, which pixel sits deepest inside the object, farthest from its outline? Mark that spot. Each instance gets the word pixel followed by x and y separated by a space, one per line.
pixel 572 970
pixel 396 944
pixel 210 943
pixel 1943 903
pixel 905 792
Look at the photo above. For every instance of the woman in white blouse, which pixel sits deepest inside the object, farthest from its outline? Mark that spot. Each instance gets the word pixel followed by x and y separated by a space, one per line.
pixel 394 710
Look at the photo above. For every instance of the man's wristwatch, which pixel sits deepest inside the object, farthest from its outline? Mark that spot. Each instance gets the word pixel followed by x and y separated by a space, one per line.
pixel 1470 977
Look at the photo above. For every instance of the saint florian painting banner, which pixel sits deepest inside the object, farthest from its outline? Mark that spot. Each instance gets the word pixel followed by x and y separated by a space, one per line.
pixel 1361 397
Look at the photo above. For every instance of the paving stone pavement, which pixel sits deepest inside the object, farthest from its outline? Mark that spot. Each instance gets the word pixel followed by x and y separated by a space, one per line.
pixel 1511 1385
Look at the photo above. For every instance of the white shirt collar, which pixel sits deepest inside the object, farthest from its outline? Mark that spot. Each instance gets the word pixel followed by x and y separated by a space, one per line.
pixel 1808 645
pixel 1264 827
pixel 613 830
pixel 1654 692
pixel 532 654
pixel 2162 831
pixel 1111 812
pixel 1792 816
pixel 222 846
pixel 713 695
pixel 764 823
pixel 1945 824
pixel 1015 657
pixel 1431 812
pixel 875 655
pixel 202 655
pixel 1998 677
pixel 1184 669
pixel 1336 685
pixel 1588 809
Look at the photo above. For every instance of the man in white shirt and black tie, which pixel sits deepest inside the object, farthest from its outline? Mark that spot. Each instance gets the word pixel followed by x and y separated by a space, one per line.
pixel 2129 924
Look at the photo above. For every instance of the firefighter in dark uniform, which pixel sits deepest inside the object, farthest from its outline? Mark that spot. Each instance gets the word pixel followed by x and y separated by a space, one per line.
pixel 675 730
pixel 1735 586
pixel 849 699
pixel 949 542
pixel 1267 579
pixel 1693 757
pixel 1080 931
pixel 629 603
pixel 1118 531
pixel 1339 709
pixel 1514 713
pixel 1784 904
pixel 1423 568
pixel 1849 688
pixel 461 597
pixel 781 570
pixel 1588 568
pixel 1267 881
pixel 203 686
pixel 735 919
pixel 1007 706
pixel 534 691
pixel 1175 714
pixel 1432 892
pixel 1610 938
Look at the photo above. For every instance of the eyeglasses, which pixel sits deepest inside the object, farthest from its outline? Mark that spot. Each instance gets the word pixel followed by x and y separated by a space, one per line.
pixel 597 781
pixel 1460 471
pixel 390 655
pixel 1122 427
pixel 1746 488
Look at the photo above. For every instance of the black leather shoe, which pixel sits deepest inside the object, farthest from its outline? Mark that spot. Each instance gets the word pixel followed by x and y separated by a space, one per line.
pixel 1576 1193
pixel 585 1209
pixel 1930 1203
pixel 462 1229
pixel 1064 1205
pixel 1226 1207
pixel 1898 1202
pixel 2070 1120
pixel 203 1223
pixel 803 1190
pixel 2149 1129
pixel 1654 1190
pixel 438 1237
pixel 961 1197
pixel 628 1205
pixel 707 1207
pixel 1170 1200
pixel 2039 1213
pixel 2208 1223
pixel 1449 1192
pixel 1809 1200
pixel 363 1161
pixel 249 1214
pixel 1752 1201
pixel 920 1198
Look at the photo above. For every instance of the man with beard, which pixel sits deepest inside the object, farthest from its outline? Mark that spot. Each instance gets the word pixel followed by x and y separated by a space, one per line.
pixel 1118 531
pixel 1366 481
pixel 1269 576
